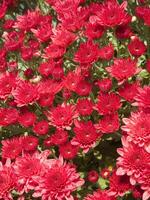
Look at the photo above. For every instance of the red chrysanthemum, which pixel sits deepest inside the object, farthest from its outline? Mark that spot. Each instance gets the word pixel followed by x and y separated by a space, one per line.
pixel 128 91
pixel 27 118
pixel 99 195
pixel 68 151
pixel 84 107
pixel 8 116
pixel 11 148
pixel 87 53
pixel 133 161
pixel 106 52
pixel 111 14
pixel 25 93
pixel 59 137
pixel 137 128
pixel 30 143
pixel 108 103
pixel 28 21
pixel 122 68
pixel 144 180
pixel 58 181
pixel 94 31
pixel 62 116
pixel 7 83
pixel 104 84
pixel 108 124
pixel 41 127
pixel 137 47
pixel 85 135
pixel 119 185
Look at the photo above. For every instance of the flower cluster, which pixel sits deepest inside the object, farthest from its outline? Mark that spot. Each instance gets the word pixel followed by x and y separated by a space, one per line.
pixel 75 99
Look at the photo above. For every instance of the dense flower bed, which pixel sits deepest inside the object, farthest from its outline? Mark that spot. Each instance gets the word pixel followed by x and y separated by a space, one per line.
pixel 75 99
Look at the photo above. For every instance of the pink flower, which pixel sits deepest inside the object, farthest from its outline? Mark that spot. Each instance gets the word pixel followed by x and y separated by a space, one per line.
pixel 58 182
pixel 7 180
pixel 133 161
pixel 137 128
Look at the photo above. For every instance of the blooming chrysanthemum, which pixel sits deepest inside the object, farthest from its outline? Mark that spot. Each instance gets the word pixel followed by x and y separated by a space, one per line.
pixel 143 97
pixel 84 107
pixel 122 68
pixel 108 103
pixel 62 116
pixel 7 83
pixel 7 180
pixel 144 180
pixel 99 195
pixel 68 151
pixel 128 91
pixel 108 124
pixel 25 93
pixel 111 14
pixel 119 185
pixel 11 148
pixel 28 21
pixel 59 137
pixel 137 128
pixel 87 53
pixel 58 181
pixel 26 167
pixel 8 116
pixel 85 135
pixel 133 160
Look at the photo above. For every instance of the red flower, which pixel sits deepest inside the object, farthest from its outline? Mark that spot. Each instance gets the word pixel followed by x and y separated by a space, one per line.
pixel 137 128
pixel 25 93
pixel 87 53
pixel 94 31
pixel 93 176
pixel 7 180
pixel 107 103
pixel 8 116
pixel 28 21
pixel 7 83
pixel 68 151
pixel 137 47
pixel 84 107
pixel 119 185
pixel 62 116
pixel 83 88
pixel 106 52
pixel 46 68
pixel 62 37
pixel 3 9
pixel 133 161
pixel 43 33
pixel 108 124
pixel 30 143
pixel 59 137
pixel 13 40
pixel 122 68
pixel 111 14
pixel 99 195
pixel 123 32
pixel 104 85
pixel 54 51
pixel 27 119
pixel 58 181
pixel 41 128
pixel 11 148
pixel 144 180
pixel 85 135
pixel 128 91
